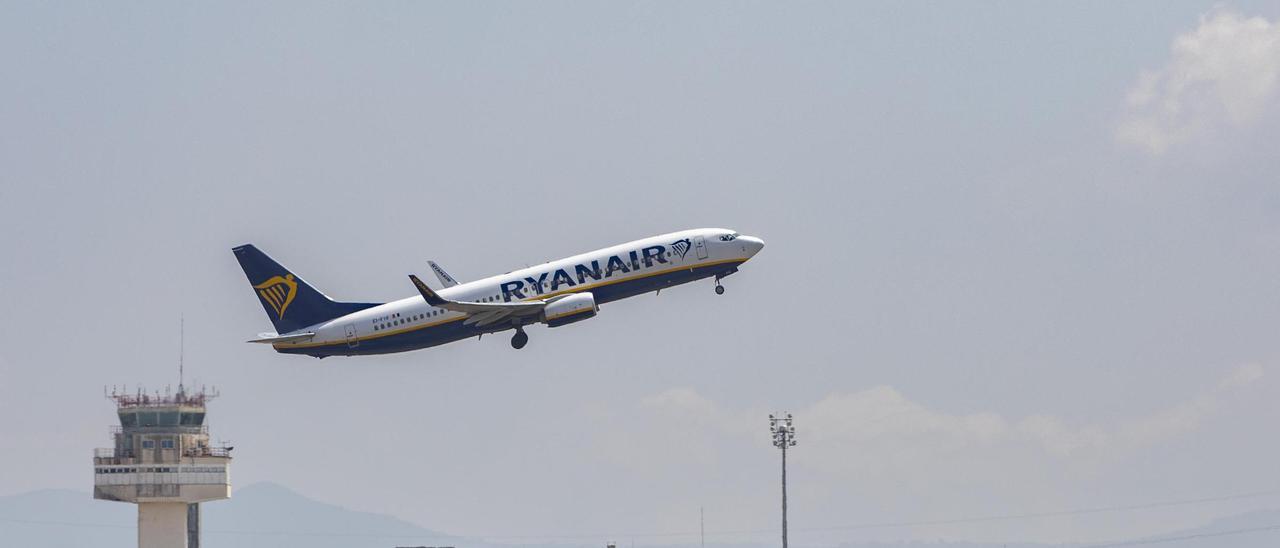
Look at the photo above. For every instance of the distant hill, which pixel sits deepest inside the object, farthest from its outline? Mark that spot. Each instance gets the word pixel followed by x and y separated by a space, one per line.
pixel 258 516
pixel 268 515
pixel 1251 530
pixel 58 518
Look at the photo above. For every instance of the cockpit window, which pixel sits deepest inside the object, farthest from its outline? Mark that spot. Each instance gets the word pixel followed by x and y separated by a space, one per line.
pixel 729 237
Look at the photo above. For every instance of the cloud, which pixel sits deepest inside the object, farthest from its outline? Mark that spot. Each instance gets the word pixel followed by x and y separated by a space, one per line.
pixel 882 456
pixel 1223 75
pixel 880 428
pixel 884 416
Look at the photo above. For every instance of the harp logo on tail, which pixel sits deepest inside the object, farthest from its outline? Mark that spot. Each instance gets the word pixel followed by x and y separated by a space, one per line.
pixel 278 292
pixel 681 247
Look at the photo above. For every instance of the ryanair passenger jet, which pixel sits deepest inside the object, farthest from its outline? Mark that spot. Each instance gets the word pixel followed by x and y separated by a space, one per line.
pixel 555 293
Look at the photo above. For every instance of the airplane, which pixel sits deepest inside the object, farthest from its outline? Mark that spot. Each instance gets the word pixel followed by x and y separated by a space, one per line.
pixel 555 293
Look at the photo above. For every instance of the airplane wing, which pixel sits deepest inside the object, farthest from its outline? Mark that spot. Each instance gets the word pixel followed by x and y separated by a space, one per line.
pixel 272 338
pixel 444 277
pixel 479 314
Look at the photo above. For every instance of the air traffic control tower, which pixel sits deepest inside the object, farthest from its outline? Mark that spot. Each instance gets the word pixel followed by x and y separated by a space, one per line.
pixel 163 462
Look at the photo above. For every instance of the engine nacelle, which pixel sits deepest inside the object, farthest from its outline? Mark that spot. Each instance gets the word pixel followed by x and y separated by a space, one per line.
pixel 570 308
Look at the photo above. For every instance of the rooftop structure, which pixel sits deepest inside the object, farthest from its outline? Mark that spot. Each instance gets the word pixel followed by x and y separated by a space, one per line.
pixel 163 461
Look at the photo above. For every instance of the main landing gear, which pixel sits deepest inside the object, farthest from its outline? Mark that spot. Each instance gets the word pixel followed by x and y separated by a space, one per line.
pixel 519 339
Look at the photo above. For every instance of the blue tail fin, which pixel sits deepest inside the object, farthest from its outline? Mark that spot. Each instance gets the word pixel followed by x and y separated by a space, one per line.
pixel 290 302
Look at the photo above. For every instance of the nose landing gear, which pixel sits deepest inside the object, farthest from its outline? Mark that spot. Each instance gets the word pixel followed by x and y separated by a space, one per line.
pixel 719 289
pixel 519 339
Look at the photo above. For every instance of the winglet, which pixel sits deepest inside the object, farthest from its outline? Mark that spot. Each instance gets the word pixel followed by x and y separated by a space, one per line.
pixel 430 296
pixel 444 277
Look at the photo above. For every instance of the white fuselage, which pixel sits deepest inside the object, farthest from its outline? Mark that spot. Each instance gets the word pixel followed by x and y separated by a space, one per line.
pixel 609 274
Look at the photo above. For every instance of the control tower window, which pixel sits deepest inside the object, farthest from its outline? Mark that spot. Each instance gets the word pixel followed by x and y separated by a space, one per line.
pixel 169 418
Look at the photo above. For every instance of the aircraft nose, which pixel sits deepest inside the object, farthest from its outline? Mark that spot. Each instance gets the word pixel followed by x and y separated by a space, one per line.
pixel 751 244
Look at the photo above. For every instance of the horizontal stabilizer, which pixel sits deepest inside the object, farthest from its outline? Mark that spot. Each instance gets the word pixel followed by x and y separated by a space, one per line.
pixel 272 338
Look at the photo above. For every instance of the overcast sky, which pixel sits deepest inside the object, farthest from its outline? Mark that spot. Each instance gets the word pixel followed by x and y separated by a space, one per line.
pixel 1020 257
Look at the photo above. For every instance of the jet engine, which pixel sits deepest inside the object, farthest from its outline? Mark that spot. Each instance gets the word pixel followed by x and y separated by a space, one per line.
pixel 570 308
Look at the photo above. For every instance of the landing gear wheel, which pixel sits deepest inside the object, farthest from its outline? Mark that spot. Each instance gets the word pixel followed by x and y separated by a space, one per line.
pixel 719 290
pixel 519 339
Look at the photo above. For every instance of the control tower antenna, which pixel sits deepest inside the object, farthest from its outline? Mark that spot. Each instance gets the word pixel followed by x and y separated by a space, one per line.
pixel 182 349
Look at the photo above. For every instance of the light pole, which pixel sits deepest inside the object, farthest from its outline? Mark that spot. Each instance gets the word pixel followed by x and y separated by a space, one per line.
pixel 784 436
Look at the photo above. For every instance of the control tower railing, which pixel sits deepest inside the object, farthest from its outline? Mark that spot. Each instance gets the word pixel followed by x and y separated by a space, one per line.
pixel 118 456
pixel 180 429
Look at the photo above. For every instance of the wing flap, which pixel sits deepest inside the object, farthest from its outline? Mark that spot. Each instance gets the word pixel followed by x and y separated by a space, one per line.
pixel 487 318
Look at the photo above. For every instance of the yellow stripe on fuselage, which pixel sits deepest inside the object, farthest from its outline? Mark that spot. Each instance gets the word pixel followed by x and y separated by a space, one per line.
pixel 575 289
